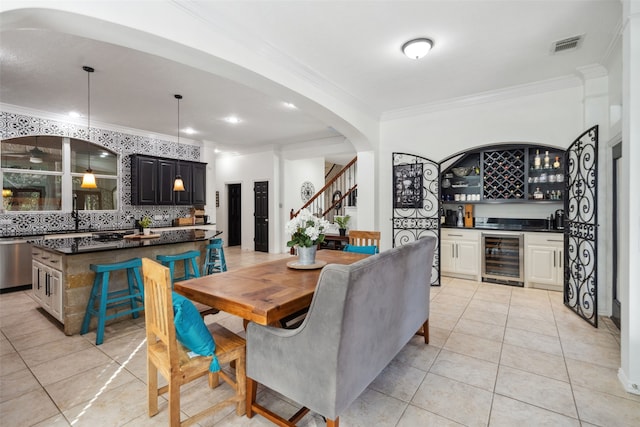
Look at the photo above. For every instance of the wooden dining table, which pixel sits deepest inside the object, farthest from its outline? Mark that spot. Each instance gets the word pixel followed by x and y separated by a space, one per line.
pixel 263 293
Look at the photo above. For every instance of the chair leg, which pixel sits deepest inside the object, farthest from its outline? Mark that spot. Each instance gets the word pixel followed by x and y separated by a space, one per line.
pixel 133 290
pixel 102 311
pixel 241 386
pixel 152 388
pixel 91 304
pixel 174 403
pixel 425 331
pixel 252 387
pixel 333 423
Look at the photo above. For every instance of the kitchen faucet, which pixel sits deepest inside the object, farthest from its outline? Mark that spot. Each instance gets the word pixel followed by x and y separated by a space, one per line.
pixel 74 213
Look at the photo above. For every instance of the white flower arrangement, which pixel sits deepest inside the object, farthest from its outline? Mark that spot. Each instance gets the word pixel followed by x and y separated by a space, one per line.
pixel 306 230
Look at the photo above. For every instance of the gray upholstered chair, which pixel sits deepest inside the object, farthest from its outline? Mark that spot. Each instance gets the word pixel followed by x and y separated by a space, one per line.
pixel 360 317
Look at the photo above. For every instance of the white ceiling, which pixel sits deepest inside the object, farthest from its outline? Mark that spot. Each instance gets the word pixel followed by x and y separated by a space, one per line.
pixel 349 47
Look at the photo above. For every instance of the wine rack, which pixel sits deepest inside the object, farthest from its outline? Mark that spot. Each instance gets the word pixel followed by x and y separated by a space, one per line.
pixel 504 176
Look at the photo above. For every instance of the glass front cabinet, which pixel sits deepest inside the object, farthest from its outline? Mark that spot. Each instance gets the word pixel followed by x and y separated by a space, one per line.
pixel 522 173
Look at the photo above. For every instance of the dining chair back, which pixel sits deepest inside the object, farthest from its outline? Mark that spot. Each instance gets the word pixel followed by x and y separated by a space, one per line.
pixel 165 355
pixel 364 238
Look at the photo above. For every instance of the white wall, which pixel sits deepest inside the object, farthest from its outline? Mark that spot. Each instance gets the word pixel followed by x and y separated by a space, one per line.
pixel 295 173
pixel 245 170
pixel 553 118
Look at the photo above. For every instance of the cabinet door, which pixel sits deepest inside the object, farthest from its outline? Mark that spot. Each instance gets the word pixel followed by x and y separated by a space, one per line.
pixel 199 184
pixel 542 264
pixel 144 172
pixel 467 258
pixel 447 256
pixel 37 282
pixel 55 294
pixel 185 171
pixel 166 176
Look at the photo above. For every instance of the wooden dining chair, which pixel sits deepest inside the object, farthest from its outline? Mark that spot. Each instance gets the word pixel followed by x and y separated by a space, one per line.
pixel 167 356
pixel 364 238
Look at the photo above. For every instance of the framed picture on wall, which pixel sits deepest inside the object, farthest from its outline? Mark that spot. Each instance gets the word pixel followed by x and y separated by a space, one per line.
pixel 407 186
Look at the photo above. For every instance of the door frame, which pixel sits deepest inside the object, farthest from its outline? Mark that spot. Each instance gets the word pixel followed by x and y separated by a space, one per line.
pixel 616 154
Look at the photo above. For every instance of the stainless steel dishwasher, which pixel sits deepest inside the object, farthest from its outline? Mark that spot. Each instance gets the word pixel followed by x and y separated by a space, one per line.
pixel 15 262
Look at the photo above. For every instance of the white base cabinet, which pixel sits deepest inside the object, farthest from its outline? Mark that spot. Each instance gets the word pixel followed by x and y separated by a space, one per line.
pixel 460 253
pixel 47 282
pixel 544 262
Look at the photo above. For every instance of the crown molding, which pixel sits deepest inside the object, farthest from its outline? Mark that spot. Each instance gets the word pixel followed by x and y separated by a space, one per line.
pixel 551 85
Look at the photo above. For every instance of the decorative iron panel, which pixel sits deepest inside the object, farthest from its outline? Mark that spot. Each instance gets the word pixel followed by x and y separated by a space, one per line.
pixel 416 208
pixel 581 227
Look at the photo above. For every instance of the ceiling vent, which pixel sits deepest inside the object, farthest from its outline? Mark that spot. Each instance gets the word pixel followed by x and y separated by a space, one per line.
pixel 568 44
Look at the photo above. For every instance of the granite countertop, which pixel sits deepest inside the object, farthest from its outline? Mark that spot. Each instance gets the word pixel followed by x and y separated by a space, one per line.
pixel 504 227
pixel 87 244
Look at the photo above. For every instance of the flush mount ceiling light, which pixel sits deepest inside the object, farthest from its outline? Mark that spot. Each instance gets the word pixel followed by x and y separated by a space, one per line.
pixel 417 48
pixel 178 183
pixel 88 179
pixel 232 119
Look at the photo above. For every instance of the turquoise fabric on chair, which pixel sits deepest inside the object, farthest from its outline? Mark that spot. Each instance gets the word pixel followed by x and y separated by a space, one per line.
pixel 370 250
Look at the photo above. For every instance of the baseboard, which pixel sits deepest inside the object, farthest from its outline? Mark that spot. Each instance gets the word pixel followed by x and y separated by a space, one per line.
pixel 629 386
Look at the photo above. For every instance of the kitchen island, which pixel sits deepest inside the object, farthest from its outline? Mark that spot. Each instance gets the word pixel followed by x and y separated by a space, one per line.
pixel 61 277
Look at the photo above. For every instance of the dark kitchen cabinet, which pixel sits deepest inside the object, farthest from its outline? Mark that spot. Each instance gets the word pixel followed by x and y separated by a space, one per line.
pixel 185 170
pixel 144 172
pixel 152 181
pixel 199 176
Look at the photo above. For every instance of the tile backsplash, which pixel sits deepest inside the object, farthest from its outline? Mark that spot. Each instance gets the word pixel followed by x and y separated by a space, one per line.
pixel 20 223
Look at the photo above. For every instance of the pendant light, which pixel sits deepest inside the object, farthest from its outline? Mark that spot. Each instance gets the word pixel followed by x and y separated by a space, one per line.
pixel 88 179
pixel 178 184
pixel 36 154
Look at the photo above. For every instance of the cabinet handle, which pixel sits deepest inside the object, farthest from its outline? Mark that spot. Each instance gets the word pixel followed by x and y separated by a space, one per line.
pixel 453 251
pixel 454 235
pixel 456 250
pixel 53 261
pixel 46 284
pixel 38 278
pixel 560 260
pixel 554 259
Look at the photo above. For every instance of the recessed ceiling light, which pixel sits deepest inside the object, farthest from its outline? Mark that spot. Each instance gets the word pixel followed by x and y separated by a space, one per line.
pixel 417 48
pixel 217 150
pixel 189 131
pixel 232 119
pixel 290 105
pixel 74 114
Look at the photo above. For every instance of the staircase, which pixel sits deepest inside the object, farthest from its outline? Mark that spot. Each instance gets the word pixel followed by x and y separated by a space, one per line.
pixel 338 192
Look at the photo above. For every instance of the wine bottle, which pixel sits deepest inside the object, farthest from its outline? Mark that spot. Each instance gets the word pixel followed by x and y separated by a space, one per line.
pixel 546 160
pixel 536 160
pixel 556 164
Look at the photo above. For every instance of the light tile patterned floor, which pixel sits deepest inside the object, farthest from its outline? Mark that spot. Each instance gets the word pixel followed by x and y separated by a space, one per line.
pixel 499 356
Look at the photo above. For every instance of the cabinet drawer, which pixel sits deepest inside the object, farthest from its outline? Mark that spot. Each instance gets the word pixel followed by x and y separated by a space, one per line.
pixel 47 258
pixel 452 234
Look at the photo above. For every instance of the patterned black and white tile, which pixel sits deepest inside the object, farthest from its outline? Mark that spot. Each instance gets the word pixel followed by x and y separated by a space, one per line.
pixel 32 223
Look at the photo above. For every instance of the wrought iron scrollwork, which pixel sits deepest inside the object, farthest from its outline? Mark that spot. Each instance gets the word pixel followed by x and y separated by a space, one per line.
pixel 581 212
pixel 416 208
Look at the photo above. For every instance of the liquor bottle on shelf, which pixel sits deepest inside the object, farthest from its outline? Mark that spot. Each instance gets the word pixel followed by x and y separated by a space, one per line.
pixel 538 195
pixel 546 160
pixel 536 160
pixel 556 164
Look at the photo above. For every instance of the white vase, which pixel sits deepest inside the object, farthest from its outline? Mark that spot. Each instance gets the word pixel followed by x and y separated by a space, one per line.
pixel 307 256
pixel 146 231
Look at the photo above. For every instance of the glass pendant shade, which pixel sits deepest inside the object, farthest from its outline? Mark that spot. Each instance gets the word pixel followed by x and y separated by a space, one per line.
pixel 178 184
pixel 89 180
pixel 35 159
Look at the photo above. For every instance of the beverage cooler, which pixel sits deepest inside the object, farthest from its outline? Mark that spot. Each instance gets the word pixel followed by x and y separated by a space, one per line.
pixel 503 258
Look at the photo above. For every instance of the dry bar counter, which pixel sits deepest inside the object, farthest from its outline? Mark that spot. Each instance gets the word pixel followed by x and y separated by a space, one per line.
pixel 62 279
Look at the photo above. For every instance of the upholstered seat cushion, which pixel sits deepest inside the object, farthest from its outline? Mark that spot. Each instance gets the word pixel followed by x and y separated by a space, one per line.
pixel 191 330
pixel 371 250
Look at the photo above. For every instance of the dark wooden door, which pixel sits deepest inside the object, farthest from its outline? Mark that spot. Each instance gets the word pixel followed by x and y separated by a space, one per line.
pixel 199 192
pixel 261 216
pixel 184 170
pixel 166 175
pixel 235 215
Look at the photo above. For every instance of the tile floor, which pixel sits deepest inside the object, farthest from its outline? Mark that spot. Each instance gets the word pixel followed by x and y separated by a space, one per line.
pixel 499 356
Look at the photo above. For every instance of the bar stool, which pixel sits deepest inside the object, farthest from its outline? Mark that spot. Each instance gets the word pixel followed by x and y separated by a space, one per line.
pixel 190 265
pixel 108 300
pixel 214 261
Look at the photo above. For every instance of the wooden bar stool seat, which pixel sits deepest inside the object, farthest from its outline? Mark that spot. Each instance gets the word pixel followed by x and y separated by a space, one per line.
pixel 214 261
pixel 131 296
pixel 190 265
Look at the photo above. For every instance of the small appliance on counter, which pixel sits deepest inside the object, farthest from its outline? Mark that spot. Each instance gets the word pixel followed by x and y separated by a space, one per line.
pixel 558 220
pixel 460 221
